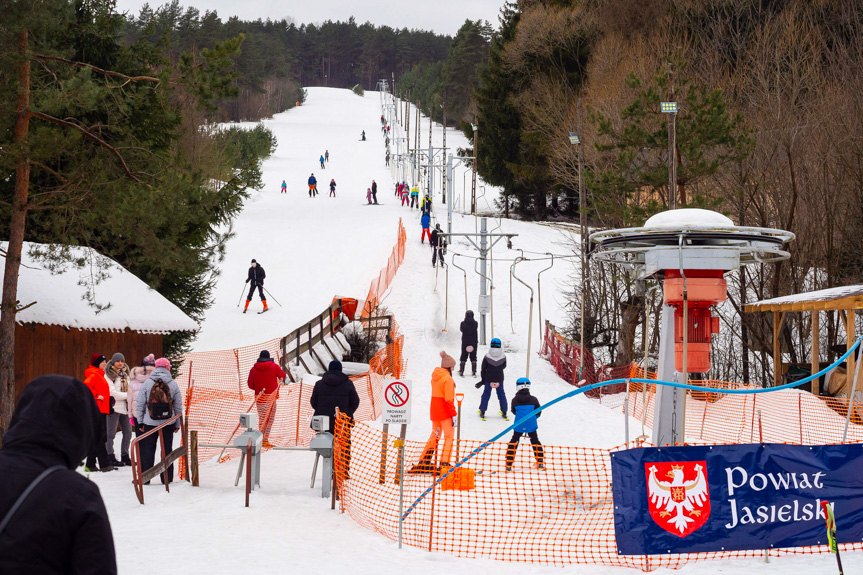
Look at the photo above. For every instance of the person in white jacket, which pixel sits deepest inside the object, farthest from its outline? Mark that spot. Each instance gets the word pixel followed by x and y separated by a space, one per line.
pixel 138 377
pixel 117 374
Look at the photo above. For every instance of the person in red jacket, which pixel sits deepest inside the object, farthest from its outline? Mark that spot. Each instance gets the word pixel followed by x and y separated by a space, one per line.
pixel 264 378
pixel 95 380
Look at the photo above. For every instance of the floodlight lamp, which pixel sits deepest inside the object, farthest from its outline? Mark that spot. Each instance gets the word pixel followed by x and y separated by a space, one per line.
pixel 668 107
pixel 574 139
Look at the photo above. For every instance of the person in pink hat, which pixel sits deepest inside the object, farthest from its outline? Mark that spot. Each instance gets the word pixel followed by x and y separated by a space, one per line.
pixel 158 401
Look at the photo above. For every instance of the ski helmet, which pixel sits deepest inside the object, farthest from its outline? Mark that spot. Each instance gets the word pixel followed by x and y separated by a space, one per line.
pixel 495 343
pixel 522 383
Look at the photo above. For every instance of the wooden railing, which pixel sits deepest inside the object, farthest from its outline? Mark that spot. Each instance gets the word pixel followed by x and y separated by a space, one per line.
pixel 139 476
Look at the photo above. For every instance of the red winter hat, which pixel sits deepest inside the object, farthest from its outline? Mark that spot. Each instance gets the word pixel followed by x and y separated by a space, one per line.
pixel 96 359
pixel 447 361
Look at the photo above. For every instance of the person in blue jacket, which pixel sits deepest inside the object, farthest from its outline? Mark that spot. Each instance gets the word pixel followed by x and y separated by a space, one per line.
pixel 313 186
pixel 425 220
pixel 522 404
pixel 491 372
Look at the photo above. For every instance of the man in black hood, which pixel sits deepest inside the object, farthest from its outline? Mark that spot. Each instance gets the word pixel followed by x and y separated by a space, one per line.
pixel 469 339
pixel 333 390
pixel 62 525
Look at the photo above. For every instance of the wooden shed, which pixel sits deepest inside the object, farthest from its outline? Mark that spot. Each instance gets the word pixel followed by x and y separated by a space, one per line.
pixel 89 305
pixel 844 300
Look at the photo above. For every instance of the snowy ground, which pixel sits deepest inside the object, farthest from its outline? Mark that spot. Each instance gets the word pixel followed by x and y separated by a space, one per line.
pixel 313 249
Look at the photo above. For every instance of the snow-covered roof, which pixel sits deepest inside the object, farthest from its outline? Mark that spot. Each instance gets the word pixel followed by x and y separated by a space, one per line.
pixel 852 294
pixel 91 292
pixel 688 217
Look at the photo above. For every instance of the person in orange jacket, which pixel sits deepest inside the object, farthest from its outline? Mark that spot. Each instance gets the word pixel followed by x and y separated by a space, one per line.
pixel 442 412
pixel 97 382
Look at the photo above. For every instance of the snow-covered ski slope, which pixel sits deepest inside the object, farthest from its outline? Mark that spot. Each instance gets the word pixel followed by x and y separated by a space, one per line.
pixel 313 249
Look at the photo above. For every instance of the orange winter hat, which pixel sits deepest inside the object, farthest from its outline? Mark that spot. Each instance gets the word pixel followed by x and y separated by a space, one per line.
pixel 447 361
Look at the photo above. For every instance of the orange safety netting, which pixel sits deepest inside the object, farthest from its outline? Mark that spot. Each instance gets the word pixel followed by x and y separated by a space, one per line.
pixel 560 515
pixel 381 283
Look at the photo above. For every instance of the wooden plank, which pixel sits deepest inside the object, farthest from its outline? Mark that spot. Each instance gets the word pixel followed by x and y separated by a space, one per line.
pixel 816 349
pixel 777 356
pixel 850 334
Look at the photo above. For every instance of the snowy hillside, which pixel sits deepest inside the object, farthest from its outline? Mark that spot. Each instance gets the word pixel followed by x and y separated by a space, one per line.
pixel 313 249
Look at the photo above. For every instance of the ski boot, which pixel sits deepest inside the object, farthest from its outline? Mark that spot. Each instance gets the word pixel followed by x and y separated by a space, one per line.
pixel 473 368
pixel 461 369
pixel 482 415
pixel 504 416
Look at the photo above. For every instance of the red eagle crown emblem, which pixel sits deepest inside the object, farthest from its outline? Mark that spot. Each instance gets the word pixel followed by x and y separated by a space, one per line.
pixel 678 496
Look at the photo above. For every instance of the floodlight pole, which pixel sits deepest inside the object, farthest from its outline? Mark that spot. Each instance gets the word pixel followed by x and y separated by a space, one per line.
pixel 473 177
pixel 582 218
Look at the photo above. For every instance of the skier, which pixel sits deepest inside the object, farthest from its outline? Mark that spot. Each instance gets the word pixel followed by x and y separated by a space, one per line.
pixel 469 340
pixel 256 276
pixel 383 120
pixel 398 189
pixel 522 404
pixel 364 135
pixel 491 373
pixel 415 197
pixel 387 159
pixel 442 413
pixel 313 186
pixel 405 193
pixel 264 379
pixel 369 195
pixel 426 204
pixel 322 163
pixel 62 525
pixel 333 188
pixel 284 187
pixel 327 156
pixel 374 192
pixel 438 243
pixel 426 222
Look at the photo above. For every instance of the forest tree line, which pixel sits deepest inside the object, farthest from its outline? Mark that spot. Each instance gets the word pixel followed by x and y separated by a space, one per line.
pixel 769 132
pixel 279 58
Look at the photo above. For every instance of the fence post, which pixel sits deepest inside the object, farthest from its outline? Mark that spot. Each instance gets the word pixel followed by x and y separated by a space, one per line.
pixel 193 456
pixel 239 377
pixel 299 404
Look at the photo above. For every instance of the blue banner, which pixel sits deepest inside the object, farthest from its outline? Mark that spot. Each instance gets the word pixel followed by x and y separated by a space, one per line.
pixel 734 497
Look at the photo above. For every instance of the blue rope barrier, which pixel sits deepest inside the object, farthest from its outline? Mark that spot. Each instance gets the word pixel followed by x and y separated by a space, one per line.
pixel 587 388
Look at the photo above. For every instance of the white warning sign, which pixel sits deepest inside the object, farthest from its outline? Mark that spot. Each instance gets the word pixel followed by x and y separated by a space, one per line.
pixel 397 402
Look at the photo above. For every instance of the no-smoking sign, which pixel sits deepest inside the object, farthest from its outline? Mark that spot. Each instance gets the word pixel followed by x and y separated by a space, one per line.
pixel 397 402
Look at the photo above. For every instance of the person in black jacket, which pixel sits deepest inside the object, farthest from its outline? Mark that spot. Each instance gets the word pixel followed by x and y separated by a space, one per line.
pixel 256 277
pixel 524 404
pixel 333 390
pixel 491 372
pixel 437 242
pixel 62 526
pixel 469 341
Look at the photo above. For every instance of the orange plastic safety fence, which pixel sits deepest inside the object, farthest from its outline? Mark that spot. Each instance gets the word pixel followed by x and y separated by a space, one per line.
pixel 559 515
pixel 381 284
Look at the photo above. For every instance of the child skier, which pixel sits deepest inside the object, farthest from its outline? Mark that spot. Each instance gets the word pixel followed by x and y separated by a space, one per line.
pixel 322 163
pixel 284 187
pixel 469 338
pixel 426 204
pixel 405 194
pixel 333 188
pixel 491 372
pixel 426 222
pixel 522 404
pixel 442 412
pixel 313 186
pixel 415 197
pixel 369 195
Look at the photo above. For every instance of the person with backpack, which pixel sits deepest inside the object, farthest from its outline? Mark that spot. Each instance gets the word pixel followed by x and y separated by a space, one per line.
pixel 118 376
pixel 522 404
pixel 491 372
pixel 313 186
pixel 264 379
pixel 438 245
pixel 469 338
pixel 442 412
pixel 256 277
pixel 137 378
pixel 333 188
pixel 425 221
pixel 158 401
pixel 61 525
pixel 98 384
pixel 284 187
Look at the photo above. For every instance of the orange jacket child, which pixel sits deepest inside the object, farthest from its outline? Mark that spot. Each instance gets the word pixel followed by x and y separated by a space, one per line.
pixel 442 411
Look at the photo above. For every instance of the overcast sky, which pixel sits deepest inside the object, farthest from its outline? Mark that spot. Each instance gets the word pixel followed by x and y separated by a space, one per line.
pixel 442 16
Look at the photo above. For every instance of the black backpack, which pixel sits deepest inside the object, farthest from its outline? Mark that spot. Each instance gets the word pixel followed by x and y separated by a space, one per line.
pixel 159 404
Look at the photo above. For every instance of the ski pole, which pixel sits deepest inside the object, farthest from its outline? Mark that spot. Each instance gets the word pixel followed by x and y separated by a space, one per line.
pixel 271 295
pixel 241 295
pixel 831 532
